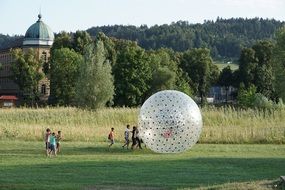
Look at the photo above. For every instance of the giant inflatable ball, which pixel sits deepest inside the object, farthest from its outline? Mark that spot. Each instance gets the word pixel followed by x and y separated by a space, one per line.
pixel 170 122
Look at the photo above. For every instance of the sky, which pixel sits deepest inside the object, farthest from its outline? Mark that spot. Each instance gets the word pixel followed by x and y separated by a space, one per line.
pixel 70 15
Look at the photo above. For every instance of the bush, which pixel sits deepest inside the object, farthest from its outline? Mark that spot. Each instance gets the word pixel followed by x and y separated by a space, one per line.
pixel 248 98
pixel 260 101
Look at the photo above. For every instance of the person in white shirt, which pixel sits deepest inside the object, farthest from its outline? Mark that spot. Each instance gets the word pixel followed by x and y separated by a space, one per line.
pixel 127 134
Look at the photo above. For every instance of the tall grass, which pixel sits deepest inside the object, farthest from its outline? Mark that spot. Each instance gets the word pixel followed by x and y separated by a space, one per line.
pixel 229 125
pixel 221 125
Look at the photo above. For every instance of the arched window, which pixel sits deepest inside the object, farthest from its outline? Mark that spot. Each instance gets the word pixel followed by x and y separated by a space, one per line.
pixel 43 89
pixel 44 57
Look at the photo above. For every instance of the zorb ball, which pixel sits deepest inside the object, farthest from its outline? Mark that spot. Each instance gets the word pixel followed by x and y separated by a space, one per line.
pixel 169 122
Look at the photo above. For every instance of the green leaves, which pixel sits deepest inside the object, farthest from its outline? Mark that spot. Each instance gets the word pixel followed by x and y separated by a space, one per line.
pixel 26 73
pixel 226 77
pixel 246 96
pixel 279 63
pixel 256 68
pixel 64 69
pixel 132 74
pixel 95 83
pixel 197 63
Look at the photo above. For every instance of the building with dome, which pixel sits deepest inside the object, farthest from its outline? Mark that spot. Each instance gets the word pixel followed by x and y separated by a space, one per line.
pixel 39 37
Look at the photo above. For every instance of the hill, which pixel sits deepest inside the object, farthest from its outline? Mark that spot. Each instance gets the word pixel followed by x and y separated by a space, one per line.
pixel 224 37
pixel 7 41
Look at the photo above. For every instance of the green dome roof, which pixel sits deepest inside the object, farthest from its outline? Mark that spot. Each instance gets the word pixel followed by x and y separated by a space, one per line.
pixel 39 34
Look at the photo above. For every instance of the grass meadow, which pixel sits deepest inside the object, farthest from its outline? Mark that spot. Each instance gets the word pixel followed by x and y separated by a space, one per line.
pixel 238 149
pixel 89 165
pixel 222 65
pixel 221 125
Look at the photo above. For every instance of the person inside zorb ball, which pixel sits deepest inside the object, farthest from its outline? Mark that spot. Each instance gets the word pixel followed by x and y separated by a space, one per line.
pixel 170 122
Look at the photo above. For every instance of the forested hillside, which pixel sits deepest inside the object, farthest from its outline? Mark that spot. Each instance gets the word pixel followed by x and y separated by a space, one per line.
pixel 224 37
pixel 7 41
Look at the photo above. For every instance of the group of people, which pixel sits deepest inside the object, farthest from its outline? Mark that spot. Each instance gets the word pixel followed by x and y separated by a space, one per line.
pixel 136 141
pixel 52 142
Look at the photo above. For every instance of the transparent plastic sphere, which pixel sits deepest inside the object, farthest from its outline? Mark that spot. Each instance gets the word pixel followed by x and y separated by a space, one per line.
pixel 170 122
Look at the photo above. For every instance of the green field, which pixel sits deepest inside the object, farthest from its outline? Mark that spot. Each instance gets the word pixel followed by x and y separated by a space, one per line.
pixel 238 149
pixel 86 165
pixel 222 65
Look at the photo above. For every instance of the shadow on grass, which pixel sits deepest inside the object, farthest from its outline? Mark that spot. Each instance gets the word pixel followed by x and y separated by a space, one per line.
pixel 88 150
pixel 148 174
pixel 106 150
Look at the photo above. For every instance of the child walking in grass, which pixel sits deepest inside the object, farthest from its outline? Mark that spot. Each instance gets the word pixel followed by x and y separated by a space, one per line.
pixel 111 137
pixel 58 139
pixel 53 144
pixel 127 134
pixel 47 141
pixel 134 137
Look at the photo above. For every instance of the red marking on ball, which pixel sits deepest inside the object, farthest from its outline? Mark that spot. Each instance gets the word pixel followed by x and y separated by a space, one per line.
pixel 167 134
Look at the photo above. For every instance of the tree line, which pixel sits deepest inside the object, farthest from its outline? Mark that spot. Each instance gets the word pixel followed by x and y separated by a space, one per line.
pixel 7 41
pixel 225 38
pixel 95 72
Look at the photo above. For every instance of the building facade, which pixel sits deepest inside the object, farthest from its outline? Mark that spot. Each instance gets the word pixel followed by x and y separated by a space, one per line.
pixel 40 38
pixel 221 94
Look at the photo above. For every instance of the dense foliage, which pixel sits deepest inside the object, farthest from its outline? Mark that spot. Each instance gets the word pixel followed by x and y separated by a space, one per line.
pixel 132 74
pixel 256 68
pixel 197 64
pixel 95 84
pixel 80 73
pixel 224 37
pixel 279 64
pixel 26 69
pixel 7 41
pixel 122 72
pixel 64 69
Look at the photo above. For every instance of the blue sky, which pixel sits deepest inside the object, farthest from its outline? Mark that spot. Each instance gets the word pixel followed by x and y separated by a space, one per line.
pixel 71 15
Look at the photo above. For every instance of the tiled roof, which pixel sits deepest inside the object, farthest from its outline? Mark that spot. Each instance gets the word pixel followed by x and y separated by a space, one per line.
pixel 8 97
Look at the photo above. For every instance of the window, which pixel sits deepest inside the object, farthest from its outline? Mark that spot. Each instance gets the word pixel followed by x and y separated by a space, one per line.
pixel 44 57
pixel 43 89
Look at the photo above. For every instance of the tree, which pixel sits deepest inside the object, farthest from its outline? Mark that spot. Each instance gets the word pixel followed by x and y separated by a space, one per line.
pixel 279 63
pixel 196 63
pixel 95 84
pixel 224 37
pixel 132 74
pixel 163 71
pixel 81 40
pixel 264 79
pixel 247 65
pixel 162 79
pixel 246 96
pixel 62 40
pixel 249 98
pixel 109 47
pixel 183 82
pixel 27 73
pixel 214 75
pixel 77 41
pixel 166 75
pixel 64 69
pixel 226 79
pixel 256 68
